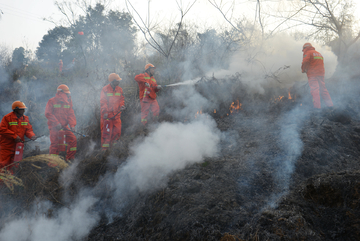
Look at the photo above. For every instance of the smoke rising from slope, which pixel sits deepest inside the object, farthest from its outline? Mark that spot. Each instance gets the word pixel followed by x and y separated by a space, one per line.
pixel 171 147
pixel 70 223
pixel 185 102
pixel 291 144
pixel 274 61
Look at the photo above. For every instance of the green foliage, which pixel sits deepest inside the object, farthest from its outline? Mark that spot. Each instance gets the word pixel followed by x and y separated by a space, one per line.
pixel 96 39
pixel 53 44
pixel 18 58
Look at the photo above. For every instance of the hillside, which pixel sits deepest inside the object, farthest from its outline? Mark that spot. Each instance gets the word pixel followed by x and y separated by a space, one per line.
pixel 279 171
pixel 259 187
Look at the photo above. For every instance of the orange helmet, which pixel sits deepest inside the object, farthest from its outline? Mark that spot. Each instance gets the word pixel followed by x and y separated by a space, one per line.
pixel 307 45
pixel 18 105
pixel 113 77
pixel 63 88
pixel 149 66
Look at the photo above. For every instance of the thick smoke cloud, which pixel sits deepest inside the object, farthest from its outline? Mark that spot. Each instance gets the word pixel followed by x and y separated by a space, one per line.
pixel 72 223
pixel 170 147
pixel 186 102
pixel 280 56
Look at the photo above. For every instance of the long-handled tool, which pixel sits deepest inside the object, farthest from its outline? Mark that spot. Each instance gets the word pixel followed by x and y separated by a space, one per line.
pixel 35 139
pixel 83 135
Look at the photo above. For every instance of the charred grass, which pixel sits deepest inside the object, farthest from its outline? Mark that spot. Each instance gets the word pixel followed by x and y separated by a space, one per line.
pixel 229 197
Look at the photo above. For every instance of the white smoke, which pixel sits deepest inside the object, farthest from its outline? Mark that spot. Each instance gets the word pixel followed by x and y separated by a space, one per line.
pixel 171 147
pixel 186 102
pixel 291 144
pixel 68 175
pixel 72 223
pixel 280 56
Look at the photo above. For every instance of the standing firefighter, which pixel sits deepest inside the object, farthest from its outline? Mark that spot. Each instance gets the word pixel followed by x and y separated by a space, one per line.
pixel 147 93
pixel 112 102
pixel 13 127
pixel 60 114
pixel 313 66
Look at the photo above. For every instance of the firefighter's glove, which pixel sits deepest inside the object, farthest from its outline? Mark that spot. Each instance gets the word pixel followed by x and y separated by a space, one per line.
pixel 147 84
pixel 72 129
pixel 17 139
pixel 159 87
pixel 58 127
pixel 33 138
pixel 122 107
pixel 105 116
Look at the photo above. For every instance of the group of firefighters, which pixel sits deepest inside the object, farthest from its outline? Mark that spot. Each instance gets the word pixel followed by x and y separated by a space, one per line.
pixel 62 121
pixel 61 117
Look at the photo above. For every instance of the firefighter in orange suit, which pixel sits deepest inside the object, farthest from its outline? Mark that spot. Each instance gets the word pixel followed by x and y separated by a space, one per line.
pixel 13 127
pixel 147 93
pixel 112 102
pixel 313 66
pixel 61 119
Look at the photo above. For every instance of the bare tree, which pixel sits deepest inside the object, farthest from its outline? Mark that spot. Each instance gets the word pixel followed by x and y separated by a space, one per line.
pixel 147 28
pixel 227 10
pixel 335 17
pixel 330 21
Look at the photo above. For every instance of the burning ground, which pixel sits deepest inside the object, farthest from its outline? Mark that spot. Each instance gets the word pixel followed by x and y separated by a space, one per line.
pixel 267 168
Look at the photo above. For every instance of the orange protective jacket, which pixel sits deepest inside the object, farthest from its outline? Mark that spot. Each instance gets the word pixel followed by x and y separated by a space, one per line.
pixel 59 109
pixel 313 63
pixel 111 101
pixel 10 127
pixel 141 79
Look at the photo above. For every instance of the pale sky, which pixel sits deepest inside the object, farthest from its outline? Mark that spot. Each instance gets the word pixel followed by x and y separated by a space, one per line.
pixel 21 21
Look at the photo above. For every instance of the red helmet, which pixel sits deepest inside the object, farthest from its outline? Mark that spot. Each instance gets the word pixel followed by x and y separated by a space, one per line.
pixel 149 66
pixel 113 77
pixel 63 88
pixel 306 45
pixel 18 105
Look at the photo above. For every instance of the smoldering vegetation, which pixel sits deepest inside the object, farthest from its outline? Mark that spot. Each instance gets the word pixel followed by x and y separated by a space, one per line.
pixel 268 170
pixel 237 153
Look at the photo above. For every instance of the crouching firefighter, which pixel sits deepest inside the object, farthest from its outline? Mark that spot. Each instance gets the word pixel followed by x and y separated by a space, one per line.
pixel 13 127
pixel 61 123
pixel 147 93
pixel 112 103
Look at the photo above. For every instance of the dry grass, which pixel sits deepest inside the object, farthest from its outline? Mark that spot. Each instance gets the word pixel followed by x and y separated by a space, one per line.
pixel 11 180
pixel 51 160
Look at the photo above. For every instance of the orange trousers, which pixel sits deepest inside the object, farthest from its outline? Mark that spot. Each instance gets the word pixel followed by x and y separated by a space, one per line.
pixel 70 140
pixel 146 107
pixel 6 157
pixel 115 133
pixel 317 88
